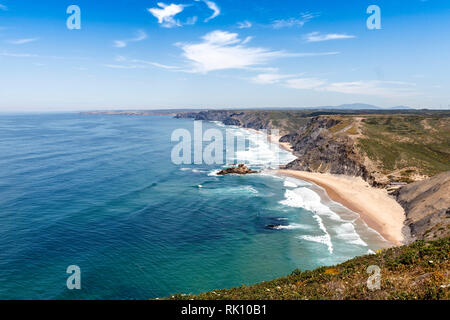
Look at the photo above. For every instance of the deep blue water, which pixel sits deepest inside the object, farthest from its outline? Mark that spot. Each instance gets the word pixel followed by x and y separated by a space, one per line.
pixel 101 192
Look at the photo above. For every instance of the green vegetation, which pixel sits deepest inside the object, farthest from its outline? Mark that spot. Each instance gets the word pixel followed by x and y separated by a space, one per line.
pixel 416 144
pixel 417 271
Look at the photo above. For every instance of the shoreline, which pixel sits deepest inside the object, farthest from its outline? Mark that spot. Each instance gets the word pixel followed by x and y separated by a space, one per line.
pixel 274 139
pixel 375 207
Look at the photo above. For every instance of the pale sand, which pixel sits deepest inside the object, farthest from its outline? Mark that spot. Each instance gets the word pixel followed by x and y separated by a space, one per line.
pixel 378 210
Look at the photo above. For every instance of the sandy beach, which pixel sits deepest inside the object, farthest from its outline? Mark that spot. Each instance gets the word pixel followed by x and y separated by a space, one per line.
pixel 378 210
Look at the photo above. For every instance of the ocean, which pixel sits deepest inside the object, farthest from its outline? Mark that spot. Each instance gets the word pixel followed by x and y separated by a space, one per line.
pixel 103 193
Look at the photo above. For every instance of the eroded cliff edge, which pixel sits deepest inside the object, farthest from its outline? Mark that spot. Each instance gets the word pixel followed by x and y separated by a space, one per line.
pixel 427 207
pixel 387 149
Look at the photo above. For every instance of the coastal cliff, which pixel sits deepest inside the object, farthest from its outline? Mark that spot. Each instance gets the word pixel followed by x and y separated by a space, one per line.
pixel 427 207
pixel 387 149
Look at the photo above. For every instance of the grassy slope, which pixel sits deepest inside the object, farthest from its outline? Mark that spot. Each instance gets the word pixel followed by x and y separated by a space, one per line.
pixel 404 145
pixel 411 144
pixel 417 271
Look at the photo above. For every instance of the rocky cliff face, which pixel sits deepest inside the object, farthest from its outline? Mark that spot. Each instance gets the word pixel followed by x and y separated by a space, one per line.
pixel 253 120
pixel 317 148
pixel 327 144
pixel 320 150
pixel 427 207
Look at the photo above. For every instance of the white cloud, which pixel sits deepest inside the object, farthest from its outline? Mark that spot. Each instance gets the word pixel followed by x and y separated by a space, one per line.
pixel 162 66
pixel 120 44
pixel 317 37
pixel 294 22
pixel 3 7
pixel 247 40
pixel 244 24
pixel 213 6
pixel 221 50
pixel 126 63
pixel 166 15
pixel 141 35
pixel 23 41
pixel 154 64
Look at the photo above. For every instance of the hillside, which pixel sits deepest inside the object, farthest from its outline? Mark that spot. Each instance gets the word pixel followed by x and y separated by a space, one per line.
pixel 427 207
pixel 418 271
pixel 388 149
pixel 381 146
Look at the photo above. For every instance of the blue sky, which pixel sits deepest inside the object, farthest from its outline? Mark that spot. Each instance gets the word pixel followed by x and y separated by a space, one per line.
pixel 138 54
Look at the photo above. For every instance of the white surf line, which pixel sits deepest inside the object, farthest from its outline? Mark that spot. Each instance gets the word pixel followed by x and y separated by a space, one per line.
pixel 352 237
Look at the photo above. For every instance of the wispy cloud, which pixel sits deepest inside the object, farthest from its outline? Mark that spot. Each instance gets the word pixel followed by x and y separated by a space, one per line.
pixel 294 22
pixel 317 37
pixel 166 14
pixel 141 35
pixel 17 55
pixel 244 24
pixel 220 50
pixel 125 63
pixel 120 44
pixel 23 41
pixel 3 7
pixel 271 78
pixel 213 6
pixel 362 87
pixel 373 87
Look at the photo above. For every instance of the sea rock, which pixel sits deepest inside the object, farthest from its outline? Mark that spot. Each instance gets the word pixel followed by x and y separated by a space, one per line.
pixel 240 169
pixel 273 226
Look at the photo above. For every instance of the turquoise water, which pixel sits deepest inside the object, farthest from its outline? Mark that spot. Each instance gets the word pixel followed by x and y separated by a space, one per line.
pixel 101 192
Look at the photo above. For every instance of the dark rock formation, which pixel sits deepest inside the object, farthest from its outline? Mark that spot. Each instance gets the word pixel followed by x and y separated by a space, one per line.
pixel 317 150
pixel 273 226
pixel 320 151
pixel 240 169
pixel 427 207
pixel 252 120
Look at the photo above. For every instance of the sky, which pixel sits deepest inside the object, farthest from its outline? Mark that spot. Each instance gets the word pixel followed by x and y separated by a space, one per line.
pixel 136 54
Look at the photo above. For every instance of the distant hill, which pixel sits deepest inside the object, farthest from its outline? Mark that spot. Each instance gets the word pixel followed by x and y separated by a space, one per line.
pixel 359 106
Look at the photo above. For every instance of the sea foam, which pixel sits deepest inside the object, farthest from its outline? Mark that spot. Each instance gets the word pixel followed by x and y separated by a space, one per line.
pixel 341 229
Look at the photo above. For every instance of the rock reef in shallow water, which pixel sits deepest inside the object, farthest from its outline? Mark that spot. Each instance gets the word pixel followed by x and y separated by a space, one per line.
pixel 240 169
